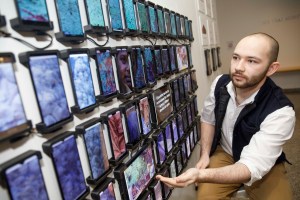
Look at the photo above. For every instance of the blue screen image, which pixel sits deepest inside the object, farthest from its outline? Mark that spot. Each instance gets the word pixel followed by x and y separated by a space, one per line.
pixel 68 167
pixel 161 24
pixel 153 20
pixel 178 25
pixel 138 68
pixel 158 62
pixel 180 125
pixel 96 149
pixel 133 124
pixel 115 15
pixel 106 73
pixel 168 137
pixel 26 181
pixel 12 113
pixel 129 15
pixel 175 130
pixel 82 80
pixel 33 10
pixel 182 25
pixel 69 17
pixel 95 12
pixel 108 193
pixel 173 24
pixel 143 17
pixel 165 60
pixel 172 59
pixel 161 147
pixel 187 29
pixel 149 62
pixel 49 88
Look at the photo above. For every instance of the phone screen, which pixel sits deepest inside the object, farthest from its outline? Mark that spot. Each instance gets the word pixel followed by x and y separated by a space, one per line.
pixel 181 89
pixel 158 61
pixel 165 60
pixel 182 25
pixel 106 72
pixel 145 115
pixel 168 22
pixel 33 11
pixel 186 25
pixel 149 62
pixel 180 125
pixel 115 15
pixel 138 68
pixel 49 88
pixel 190 55
pixel 143 17
pixel 173 24
pixel 117 134
pixel 95 13
pixel 182 57
pixel 178 25
pixel 133 125
pixel 108 193
pixel 124 74
pixel 168 137
pixel 176 94
pixel 96 150
pixel 172 59
pixel 161 21
pixel 161 147
pixel 157 191
pixel 153 20
pixel 69 17
pixel 25 180
pixel 68 168
pixel 179 161
pixel 129 13
pixel 82 80
pixel 12 114
pixel 173 169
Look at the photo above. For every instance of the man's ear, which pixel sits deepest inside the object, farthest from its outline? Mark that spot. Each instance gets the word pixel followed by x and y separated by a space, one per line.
pixel 273 68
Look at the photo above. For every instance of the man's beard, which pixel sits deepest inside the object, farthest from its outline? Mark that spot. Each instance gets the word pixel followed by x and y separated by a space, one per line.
pixel 247 82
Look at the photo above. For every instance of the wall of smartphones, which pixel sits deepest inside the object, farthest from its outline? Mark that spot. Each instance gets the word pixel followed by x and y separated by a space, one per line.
pixel 100 111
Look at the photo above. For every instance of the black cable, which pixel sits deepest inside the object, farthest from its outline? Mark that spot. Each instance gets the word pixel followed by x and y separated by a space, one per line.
pixel 167 41
pixel 8 35
pixel 146 38
pixel 97 44
pixel 180 42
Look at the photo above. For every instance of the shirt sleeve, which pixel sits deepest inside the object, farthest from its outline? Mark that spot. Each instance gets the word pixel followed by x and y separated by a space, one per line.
pixel 274 131
pixel 207 112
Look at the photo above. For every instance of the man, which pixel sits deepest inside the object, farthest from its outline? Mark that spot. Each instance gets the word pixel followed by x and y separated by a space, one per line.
pixel 245 121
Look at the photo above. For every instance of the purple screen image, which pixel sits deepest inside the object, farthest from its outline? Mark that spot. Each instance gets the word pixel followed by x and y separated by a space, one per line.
pixel 175 130
pixel 108 193
pixel 133 124
pixel 145 115
pixel 168 137
pixel 161 147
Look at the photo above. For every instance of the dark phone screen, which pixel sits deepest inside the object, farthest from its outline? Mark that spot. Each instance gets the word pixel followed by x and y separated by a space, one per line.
pixel 161 21
pixel 158 61
pixel 124 75
pixel 165 60
pixel 150 64
pixel 133 125
pixel 138 68
pixel 49 88
pixel 143 17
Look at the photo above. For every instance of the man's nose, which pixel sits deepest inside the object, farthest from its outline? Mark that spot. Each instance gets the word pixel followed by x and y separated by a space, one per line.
pixel 240 65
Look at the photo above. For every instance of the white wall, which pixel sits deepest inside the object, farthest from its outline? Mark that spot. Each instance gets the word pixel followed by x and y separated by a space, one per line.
pixel 279 18
pixel 34 141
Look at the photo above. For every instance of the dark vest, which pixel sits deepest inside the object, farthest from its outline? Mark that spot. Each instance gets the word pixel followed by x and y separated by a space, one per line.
pixel 269 99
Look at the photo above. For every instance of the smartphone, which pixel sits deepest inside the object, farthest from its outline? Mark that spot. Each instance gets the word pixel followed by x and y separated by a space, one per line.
pixel 172 59
pixel 133 127
pixel 114 11
pixel 96 150
pixel 182 57
pixel 145 115
pixel 182 25
pixel 143 18
pixel 165 60
pixel 153 18
pixel 137 67
pixel 158 61
pixel 186 26
pixel 161 20
pixel 129 12
pixel 168 137
pixel 68 168
pixel 174 130
pixel 168 21
pixel 69 17
pixel 108 193
pixel 180 125
pixel 33 12
pixel 105 70
pixel 176 93
pixel 25 180
pixel 173 24
pixel 49 88
pixel 178 25
pixel 82 80
pixel 94 13
pixel 149 63
pixel 12 115
pixel 161 147
pixel 117 134
pixel 124 73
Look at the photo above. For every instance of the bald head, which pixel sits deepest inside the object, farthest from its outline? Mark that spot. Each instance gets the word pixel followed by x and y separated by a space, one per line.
pixel 273 45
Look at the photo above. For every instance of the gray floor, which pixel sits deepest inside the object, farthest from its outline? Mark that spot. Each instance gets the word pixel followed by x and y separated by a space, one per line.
pixel 291 148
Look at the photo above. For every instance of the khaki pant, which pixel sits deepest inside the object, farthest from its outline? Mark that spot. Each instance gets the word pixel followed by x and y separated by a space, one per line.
pixel 272 186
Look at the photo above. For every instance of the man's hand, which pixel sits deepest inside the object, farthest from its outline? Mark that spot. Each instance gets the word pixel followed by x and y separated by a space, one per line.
pixel 203 162
pixel 185 179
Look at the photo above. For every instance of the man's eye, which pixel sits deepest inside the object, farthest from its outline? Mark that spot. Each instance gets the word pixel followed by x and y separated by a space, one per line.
pixel 251 61
pixel 234 57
